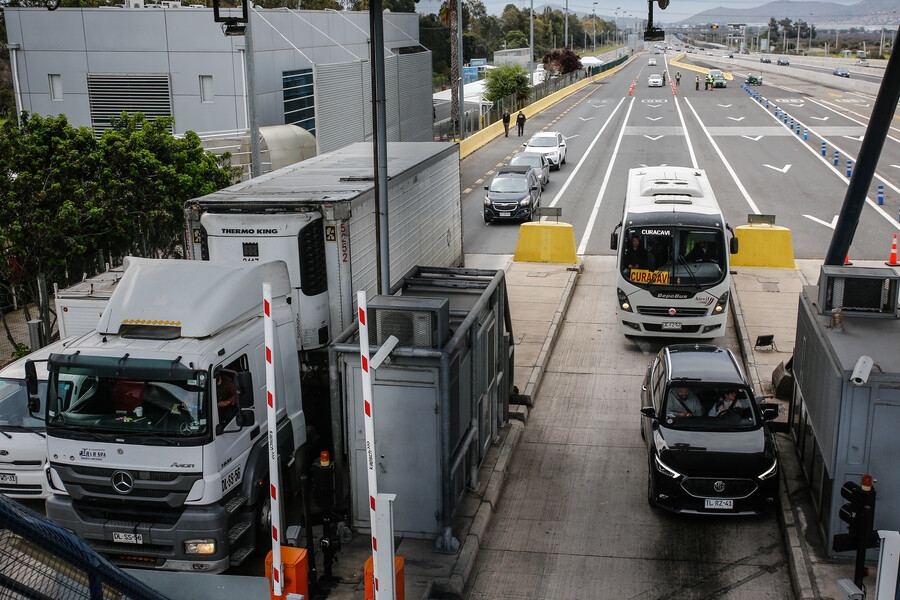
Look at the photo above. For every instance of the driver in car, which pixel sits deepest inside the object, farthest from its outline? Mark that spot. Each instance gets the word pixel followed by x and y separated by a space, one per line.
pixel 729 401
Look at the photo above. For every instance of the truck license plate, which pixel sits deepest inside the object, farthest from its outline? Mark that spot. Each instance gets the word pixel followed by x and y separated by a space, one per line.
pixel 505 213
pixel 671 326
pixel 7 478
pixel 714 503
pixel 134 538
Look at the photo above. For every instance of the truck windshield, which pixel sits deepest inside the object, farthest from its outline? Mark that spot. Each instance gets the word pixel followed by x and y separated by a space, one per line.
pixel 673 256
pixel 14 405
pixel 138 396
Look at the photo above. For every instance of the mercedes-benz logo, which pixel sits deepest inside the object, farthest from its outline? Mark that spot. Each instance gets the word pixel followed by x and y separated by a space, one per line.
pixel 122 482
pixel 719 486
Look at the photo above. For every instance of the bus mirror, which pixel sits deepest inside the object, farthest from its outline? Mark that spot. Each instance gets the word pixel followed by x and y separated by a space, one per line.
pixel 614 241
pixel 734 245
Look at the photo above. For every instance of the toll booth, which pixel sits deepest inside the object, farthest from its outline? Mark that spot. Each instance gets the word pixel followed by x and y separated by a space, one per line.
pixel 845 412
pixel 438 404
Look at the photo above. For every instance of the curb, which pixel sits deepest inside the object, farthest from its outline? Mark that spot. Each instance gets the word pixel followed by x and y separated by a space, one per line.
pixel 798 565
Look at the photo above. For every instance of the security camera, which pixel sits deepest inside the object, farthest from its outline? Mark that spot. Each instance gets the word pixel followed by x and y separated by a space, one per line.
pixel 861 370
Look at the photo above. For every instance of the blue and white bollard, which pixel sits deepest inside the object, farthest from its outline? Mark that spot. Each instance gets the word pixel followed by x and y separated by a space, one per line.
pixel 880 194
pixel 849 167
pixel 837 155
pixel 824 150
pixel 805 133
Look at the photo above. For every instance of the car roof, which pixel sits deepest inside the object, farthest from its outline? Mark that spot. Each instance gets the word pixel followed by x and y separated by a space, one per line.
pixel 542 157
pixel 517 169
pixel 545 134
pixel 704 363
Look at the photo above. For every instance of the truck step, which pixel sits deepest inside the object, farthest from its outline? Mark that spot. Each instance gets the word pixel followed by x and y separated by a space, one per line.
pixel 235 533
pixel 235 503
pixel 241 554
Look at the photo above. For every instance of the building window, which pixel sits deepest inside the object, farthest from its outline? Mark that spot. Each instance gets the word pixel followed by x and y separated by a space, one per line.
pixel 56 87
pixel 299 101
pixel 206 89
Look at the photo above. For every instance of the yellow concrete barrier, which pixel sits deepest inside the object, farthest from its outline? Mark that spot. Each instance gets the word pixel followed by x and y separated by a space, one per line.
pixel 763 245
pixel 546 242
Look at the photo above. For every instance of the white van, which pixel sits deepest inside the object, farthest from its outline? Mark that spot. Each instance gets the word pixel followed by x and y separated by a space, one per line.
pixel 23 443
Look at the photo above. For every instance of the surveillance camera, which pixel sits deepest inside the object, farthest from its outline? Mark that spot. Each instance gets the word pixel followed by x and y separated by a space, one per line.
pixel 861 370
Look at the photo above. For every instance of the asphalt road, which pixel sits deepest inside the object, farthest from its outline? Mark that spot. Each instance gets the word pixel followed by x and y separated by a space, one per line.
pixel 573 521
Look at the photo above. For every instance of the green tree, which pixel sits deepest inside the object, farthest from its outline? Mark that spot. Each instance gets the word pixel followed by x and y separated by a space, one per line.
pixel 561 61
pixel 506 80
pixel 68 196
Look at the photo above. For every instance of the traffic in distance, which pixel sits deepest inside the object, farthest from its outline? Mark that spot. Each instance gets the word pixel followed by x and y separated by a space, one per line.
pixel 585 489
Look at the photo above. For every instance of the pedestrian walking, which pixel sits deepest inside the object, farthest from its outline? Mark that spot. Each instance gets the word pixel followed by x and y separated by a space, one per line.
pixel 664 78
pixel 677 78
pixel 697 84
pixel 520 123
pixel 506 122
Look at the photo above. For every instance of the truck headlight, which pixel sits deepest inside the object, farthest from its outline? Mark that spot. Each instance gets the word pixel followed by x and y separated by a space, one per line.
pixel 204 546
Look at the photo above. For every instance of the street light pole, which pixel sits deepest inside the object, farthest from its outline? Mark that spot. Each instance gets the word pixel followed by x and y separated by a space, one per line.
pixel 798 35
pixel 594 19
pixel 566 38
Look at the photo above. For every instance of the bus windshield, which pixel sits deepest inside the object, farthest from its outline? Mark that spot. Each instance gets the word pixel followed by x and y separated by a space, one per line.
pixel 670 255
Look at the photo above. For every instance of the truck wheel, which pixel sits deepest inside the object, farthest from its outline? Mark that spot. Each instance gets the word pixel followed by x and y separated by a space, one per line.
pixel 262 521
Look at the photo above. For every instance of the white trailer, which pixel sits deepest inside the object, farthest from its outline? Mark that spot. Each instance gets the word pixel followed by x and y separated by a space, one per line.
pixel 79 306
pixel 319 216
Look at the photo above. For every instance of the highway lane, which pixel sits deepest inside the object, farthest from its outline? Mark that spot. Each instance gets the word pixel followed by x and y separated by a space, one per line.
pixel 758 162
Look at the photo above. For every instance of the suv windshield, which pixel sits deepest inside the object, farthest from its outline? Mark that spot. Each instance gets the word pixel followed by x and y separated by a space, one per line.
pixel 709 408
pixel 510 185
pixel 543 141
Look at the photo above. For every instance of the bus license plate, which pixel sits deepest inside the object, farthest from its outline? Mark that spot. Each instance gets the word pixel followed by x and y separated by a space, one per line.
pixel 671 326
pixel 134 538
pixel 505 213
pixel 7 478
pixel 714 503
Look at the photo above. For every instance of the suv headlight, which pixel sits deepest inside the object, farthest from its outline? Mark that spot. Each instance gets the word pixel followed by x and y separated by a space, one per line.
pixel 664 468
pixel 770 472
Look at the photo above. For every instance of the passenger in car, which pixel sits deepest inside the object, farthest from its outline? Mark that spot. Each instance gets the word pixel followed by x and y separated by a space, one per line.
pixel 683 402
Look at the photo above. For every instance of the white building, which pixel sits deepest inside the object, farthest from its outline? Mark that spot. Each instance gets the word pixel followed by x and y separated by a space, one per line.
pixel 311 68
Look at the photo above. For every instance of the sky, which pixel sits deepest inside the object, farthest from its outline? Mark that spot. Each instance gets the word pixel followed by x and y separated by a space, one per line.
pixel 676 11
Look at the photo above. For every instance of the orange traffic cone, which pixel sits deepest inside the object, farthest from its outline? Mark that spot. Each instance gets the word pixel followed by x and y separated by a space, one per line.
pixel 892 260
pixel 847 260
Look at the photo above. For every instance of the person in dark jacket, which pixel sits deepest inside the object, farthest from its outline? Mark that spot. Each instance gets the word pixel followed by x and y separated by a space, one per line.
pixel 506 118
pixel 520 123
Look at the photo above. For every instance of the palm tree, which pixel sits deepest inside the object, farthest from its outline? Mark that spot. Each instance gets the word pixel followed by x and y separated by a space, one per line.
pixel 448 17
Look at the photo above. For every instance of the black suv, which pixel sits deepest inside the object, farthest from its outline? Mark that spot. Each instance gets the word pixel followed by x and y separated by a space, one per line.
pixel 709 448
pixel 514 193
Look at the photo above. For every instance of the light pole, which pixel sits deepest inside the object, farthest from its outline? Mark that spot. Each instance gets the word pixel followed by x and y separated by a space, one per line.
pixel 798 35
pixel 618 8
pixel 566 36
pixel 594 19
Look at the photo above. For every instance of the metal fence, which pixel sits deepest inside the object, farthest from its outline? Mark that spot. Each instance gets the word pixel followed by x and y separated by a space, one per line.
pixel 41 560
pixel 476 120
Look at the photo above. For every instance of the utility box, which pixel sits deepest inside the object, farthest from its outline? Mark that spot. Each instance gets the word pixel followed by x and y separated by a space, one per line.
pixel 437 403
pixel 845 413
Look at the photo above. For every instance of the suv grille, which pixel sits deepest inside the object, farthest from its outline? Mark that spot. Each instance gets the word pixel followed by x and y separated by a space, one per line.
pixel 701 487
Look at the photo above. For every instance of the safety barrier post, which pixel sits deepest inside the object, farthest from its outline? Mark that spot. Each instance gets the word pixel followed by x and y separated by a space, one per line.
pixel 824 151
pixel 837 154
pixel 880 194
pixel 805 133
pixel 849 167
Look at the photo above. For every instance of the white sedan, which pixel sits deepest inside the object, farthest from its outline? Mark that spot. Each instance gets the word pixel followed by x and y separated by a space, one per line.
pixel 551 144
pixel 655 80
pixel 651 62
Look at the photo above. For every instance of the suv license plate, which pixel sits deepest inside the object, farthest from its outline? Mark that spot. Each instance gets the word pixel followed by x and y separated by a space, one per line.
pixel 719 504
pixel 7 478
pixel 671 326
pixel 134 538
pixel 505 213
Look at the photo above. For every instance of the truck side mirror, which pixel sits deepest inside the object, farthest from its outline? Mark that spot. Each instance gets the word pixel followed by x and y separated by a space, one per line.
pixel 31 384
pixel 734 245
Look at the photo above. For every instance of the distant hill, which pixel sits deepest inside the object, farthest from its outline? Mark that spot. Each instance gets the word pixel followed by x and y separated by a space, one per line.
pixel 867 13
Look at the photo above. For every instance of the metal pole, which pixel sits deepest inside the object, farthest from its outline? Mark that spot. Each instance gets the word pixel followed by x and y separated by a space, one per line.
pixel 255 159
pixel 531 45
pixel 462 85
pixel 566 38
pixel 379 130
pixel 594 19
pixel 869 151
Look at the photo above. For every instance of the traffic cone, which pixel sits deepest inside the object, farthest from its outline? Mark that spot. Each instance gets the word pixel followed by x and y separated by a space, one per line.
pixel 892 260
pixel 847 260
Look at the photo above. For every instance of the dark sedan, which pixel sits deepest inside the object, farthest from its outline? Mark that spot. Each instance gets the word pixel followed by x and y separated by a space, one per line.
pixel 709 448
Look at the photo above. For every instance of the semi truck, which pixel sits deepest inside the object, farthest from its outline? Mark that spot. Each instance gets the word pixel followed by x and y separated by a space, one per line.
pixel 150 462
pixel 156 421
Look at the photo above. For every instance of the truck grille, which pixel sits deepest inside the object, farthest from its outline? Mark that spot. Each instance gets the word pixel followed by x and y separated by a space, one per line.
pixel 101 484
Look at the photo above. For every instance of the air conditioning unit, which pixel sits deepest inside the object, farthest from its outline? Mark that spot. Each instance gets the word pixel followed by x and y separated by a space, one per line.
pixel 416 322
pixel 859 291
